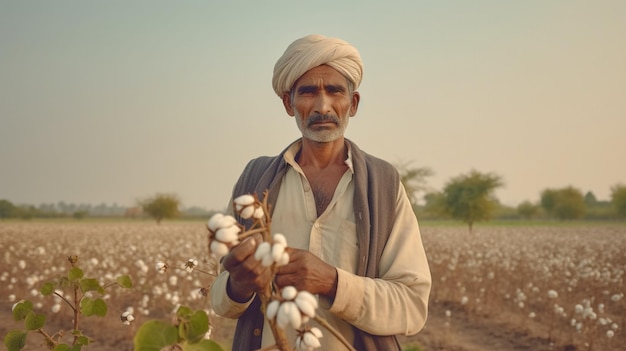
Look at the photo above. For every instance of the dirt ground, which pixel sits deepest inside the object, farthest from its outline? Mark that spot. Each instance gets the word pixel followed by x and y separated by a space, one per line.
pixel 462 332
pixel 459 332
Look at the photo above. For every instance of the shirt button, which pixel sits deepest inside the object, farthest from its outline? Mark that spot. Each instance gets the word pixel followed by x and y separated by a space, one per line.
pixel 256 332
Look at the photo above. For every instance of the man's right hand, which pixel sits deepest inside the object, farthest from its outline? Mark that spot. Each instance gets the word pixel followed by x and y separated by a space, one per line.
pixel 246 274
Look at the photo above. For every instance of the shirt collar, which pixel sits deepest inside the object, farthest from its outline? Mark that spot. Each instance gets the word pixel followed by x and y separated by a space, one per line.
pixel 292 151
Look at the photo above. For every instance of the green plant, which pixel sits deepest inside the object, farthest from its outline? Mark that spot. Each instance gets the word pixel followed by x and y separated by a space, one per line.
pixel 84 304
pixel 186 333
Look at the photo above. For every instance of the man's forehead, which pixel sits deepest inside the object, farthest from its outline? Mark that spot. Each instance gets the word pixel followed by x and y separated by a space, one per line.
pixel 322 74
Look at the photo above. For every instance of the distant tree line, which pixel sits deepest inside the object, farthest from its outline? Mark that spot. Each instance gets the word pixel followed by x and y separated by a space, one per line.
pixel 79 211
pixel 470 198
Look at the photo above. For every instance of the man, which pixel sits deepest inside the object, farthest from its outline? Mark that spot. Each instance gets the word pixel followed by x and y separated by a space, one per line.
pixel 353 237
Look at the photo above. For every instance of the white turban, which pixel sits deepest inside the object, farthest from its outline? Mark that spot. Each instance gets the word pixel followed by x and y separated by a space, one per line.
pixel 312 51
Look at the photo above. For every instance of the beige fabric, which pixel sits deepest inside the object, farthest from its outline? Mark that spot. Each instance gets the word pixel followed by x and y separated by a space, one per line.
pixel 312 51
pixel 369 304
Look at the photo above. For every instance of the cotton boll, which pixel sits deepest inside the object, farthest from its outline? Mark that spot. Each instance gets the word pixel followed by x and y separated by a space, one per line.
pixel 228 234
pixel 258 213
pixel 289 292
pixel 277 251
pixel 214 221
pixel 284 259
pixel 280 238
pixel 272 308
pixel 262 250
pixel 247 212
pixel 267 260
pixel 218 249
pixel 311 340
pixel 244 200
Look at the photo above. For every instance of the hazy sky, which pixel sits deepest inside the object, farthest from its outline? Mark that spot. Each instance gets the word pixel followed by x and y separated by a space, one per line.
pixel 114 101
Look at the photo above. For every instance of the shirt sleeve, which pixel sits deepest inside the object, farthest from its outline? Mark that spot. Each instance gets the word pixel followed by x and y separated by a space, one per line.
pixel 222 304
pixel 397 302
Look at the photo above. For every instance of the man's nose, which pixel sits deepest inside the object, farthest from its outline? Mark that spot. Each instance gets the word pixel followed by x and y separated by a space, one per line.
pixel 323 104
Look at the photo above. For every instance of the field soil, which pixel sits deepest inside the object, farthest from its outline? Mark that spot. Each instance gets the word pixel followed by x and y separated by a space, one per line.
pixel 464 332
pixel 460 332
pixel 489 293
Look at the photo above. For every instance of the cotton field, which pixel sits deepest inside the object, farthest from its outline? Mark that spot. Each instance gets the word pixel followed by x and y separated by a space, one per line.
pixel 564 284
pixel 33 253
pixel 561 284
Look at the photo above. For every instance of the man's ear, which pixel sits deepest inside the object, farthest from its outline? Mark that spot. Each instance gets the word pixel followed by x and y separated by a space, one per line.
pixel 287 103
pixel 356 97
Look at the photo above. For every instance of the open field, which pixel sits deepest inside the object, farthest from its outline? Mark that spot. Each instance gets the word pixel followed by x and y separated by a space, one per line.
pixel 539 287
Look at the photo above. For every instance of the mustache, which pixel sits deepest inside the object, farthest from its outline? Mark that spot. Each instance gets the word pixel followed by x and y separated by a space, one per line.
pixel 315 118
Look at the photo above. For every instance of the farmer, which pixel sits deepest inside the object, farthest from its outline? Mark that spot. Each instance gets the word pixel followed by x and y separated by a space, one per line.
pixel 353 237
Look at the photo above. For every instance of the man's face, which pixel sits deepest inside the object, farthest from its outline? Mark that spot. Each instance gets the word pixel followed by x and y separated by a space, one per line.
pixel 322 103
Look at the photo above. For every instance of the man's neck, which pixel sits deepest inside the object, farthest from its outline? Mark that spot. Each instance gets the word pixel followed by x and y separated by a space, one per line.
pixel 321 155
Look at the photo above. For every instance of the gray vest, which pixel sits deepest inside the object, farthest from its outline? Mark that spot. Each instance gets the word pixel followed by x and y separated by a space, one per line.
pixel 376 188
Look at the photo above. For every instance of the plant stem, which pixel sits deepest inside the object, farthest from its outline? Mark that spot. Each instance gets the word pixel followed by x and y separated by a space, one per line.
pixel 76 313
pixel 332 330
pixel 279 334
pixel 268 348
pixel 251 232
pixel 47 336
pixel 109 285
pixel 66 301
pixel 205 272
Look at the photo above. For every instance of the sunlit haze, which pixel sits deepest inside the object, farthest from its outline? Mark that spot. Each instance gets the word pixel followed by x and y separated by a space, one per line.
pixel 114 101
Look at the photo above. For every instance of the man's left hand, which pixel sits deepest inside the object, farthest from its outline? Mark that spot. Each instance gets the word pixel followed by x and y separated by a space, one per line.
pixel 305 271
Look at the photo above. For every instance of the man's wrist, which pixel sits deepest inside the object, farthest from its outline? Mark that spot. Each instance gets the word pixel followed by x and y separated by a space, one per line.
pixel 332 292
pixel 237 296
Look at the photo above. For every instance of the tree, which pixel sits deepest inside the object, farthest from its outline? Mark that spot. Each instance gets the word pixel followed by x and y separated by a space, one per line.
pixel 527 210
pixel 469 197
pixel 161 206
pixel 414 180
pixel 435 205
pixel 618 199
pixel 7 209
pixel 565 203
pixel 548 200
pixel 590 199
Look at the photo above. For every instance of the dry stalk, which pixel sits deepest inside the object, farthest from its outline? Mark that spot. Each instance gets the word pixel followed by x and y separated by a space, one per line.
pixel 263 226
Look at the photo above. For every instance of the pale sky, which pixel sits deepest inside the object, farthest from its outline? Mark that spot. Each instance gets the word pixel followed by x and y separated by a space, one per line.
pixel 114 101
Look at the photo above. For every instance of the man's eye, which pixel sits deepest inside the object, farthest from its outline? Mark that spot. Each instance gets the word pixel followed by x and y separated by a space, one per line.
pixel 334 90
pixel 307 90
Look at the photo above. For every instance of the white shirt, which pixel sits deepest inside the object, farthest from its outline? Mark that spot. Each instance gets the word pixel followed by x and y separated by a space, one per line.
pixel 395 303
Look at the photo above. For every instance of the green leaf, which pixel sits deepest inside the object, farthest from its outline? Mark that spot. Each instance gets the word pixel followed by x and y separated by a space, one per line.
pixel 66 347
pixel 93 307
pixel 47 289
pixel 184 312
pixel 82 340
pixel 35 321
pixel 155 335
pixel 204 345
pixel 22 309
pixel 15 340
pixel 90 284
pixel 75 274
pixel 124 281
pixel 194 328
